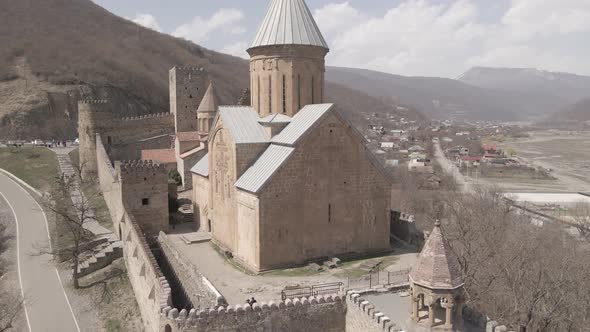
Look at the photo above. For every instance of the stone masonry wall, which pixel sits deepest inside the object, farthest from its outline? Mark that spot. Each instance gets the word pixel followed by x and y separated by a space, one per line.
pixel 97 117
pixel 202 296
pixel 150 287
pixel 201 201
pixel 328 199
pixel 132 150
pixel 315 314
pixel 144 188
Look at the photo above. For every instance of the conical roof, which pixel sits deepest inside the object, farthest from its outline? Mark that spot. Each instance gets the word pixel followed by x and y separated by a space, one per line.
pixel 289 22
pixel 437 266
pixel 209 101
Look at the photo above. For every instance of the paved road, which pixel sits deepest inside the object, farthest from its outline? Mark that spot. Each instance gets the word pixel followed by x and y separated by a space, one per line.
pixel 47 308
pixel 450 168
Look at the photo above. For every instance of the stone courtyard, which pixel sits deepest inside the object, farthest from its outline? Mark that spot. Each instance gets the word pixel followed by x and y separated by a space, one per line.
pixel 237 286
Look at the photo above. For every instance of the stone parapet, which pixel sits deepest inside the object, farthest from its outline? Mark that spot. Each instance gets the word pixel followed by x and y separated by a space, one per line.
pixel 148 116
pixel 364 316
pixel 93 101
pixel 246 317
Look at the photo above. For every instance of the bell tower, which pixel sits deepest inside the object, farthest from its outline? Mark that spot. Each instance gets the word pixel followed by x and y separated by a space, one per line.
pixel 287 60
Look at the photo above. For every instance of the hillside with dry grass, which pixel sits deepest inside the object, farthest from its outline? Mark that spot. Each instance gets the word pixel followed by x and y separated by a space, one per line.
pixel 55 52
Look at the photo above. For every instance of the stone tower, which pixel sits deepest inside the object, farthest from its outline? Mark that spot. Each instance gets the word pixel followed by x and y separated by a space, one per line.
pixel 207 110
pixel 436 284
pixel 94 117
pixel 187 88
pixel 287 60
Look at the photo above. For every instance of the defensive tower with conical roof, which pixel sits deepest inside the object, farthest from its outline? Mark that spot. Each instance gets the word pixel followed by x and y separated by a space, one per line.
pixel 287 60
pixel 436 284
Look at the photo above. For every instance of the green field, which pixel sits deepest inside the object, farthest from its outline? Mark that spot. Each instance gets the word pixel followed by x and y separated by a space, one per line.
pixel 36 166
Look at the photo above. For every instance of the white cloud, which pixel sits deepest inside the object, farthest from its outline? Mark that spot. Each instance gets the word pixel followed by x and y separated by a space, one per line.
pixel 236 49
pixel 148 21
pixel 425 37
pixel 199 30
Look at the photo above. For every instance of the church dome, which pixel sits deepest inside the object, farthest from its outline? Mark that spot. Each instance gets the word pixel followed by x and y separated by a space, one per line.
pixel 289 22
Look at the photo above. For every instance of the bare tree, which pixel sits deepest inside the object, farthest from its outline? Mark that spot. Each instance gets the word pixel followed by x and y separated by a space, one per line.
pixel 526 276
pixel 580 216
pixel 72 216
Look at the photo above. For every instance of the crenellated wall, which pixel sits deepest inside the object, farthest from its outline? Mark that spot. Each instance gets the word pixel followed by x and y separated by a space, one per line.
pixel 98 117
pixel 361 315
pixel 144 189
pixel 151 288
pixel 314 314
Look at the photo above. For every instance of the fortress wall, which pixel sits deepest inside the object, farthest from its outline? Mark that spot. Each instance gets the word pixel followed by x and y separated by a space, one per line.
pixel 193 282
pixel 138 128
pixel 314 314
pixel 151 288
pixel 132 150
pixel 109 183
pixel 361 315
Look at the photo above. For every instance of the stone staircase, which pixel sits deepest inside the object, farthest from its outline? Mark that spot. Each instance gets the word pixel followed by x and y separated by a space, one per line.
pixel 105 253
pixel 103 256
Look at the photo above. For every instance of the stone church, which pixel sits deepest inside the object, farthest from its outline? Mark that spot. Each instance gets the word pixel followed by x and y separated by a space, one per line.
pixel 288 180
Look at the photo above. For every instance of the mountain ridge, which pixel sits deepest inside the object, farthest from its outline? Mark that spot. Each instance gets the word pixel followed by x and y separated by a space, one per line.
pixel 74 49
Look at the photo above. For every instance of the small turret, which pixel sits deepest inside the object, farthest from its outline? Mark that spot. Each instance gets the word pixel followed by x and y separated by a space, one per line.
pixel 207 109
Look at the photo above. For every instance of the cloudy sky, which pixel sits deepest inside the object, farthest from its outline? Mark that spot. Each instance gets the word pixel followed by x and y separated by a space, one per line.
pixel 406 37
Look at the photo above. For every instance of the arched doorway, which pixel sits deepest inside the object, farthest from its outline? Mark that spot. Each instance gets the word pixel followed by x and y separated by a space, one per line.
pixel 168 328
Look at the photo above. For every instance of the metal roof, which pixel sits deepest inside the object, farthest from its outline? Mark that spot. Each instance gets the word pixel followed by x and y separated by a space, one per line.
pixel 202 167
pixel 289 22
pixel 242 122
pixel 301 123
pixel 264 168
pixel 276 118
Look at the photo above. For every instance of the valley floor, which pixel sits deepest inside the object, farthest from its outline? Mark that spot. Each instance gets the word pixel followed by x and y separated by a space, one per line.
pixel 566 154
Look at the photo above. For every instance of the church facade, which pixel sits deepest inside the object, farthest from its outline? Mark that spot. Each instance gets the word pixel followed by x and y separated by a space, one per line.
pixel 288 180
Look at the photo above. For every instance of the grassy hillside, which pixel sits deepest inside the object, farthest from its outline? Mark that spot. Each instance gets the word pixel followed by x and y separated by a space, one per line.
pixel 57 51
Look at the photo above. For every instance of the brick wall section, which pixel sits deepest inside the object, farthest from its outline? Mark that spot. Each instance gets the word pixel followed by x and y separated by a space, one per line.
pixel 201 296
pixel 328 199
pixel 321 314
